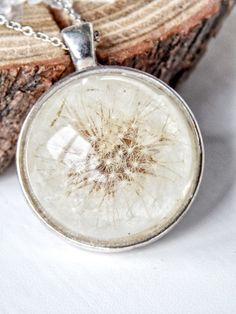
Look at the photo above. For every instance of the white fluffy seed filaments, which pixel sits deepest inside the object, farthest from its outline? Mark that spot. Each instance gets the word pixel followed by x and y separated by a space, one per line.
pixel 118 152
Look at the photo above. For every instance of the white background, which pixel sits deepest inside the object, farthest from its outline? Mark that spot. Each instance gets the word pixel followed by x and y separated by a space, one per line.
pixel 191 270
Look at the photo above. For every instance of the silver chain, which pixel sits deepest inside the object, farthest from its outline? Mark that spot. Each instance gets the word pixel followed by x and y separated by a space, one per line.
pixel 64 5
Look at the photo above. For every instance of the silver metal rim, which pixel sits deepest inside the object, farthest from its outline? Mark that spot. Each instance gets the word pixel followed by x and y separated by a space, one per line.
pixel 30 197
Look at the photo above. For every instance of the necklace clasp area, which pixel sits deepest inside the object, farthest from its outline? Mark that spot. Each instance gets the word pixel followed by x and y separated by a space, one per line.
pixel 80 41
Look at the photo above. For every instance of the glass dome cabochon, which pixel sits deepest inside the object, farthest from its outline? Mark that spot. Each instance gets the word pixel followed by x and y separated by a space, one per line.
pixel 110 157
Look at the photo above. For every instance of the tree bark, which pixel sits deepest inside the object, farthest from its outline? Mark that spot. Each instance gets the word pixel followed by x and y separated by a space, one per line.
pixel 164 38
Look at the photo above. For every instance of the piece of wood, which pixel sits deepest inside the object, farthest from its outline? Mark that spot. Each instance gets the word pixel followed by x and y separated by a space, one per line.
pixel 165 38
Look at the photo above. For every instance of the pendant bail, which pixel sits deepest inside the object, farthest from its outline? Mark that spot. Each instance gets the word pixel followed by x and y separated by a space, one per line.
pixel 80 41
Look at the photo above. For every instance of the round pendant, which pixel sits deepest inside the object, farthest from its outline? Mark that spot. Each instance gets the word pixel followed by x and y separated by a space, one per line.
pixel 110 158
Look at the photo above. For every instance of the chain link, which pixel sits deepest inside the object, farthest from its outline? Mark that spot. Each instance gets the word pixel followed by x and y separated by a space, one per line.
pixel 64 5
pixel 67 7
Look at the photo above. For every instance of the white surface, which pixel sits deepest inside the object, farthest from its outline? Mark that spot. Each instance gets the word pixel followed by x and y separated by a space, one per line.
pixel 191 270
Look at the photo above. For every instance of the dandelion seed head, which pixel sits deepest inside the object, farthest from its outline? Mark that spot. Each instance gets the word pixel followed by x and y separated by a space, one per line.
pixel 117 152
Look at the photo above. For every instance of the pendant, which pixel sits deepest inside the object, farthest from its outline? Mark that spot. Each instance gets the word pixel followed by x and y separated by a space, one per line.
pixel 110 157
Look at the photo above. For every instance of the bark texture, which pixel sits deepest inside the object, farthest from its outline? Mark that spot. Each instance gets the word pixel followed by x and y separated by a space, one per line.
pixel 164 38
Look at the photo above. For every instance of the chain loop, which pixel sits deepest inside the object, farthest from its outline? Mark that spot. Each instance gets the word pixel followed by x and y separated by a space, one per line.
pixel 16 26
pixel 41 36
pixel 64 5
pixel 27 31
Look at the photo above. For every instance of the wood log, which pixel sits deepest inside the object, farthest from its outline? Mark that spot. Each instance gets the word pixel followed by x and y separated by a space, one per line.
pixel 165 38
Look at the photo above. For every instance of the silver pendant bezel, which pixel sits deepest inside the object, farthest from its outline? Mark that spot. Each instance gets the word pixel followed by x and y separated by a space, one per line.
pixel 29 195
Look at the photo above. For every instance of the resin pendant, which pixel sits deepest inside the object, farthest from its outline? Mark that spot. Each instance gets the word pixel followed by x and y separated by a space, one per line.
pixel 109 157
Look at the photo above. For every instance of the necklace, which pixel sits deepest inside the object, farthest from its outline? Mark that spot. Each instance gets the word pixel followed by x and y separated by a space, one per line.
pixel 110 157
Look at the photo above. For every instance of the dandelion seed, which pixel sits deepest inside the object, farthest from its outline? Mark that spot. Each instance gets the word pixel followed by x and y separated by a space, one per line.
pixel 116 154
